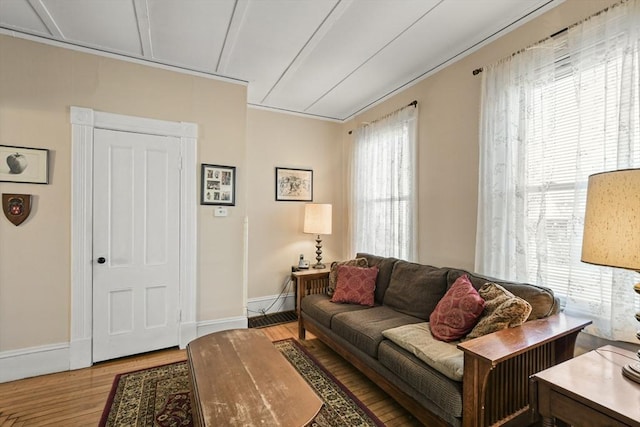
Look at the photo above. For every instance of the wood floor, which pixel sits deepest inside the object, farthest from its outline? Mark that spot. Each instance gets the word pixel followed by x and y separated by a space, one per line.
pixel 77 398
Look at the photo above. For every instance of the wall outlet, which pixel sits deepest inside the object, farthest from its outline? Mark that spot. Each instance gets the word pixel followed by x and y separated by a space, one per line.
pixel 220 211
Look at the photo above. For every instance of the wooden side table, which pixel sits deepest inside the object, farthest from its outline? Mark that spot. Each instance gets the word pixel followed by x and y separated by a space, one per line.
pixel 307 282
pixel 588 391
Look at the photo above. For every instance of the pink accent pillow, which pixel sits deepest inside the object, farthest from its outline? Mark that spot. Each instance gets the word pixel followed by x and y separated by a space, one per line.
pixel 355 285
pixel 457 312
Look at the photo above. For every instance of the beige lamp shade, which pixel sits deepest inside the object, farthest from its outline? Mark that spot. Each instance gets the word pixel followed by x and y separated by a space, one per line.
pixel 317 218
pixel 612 220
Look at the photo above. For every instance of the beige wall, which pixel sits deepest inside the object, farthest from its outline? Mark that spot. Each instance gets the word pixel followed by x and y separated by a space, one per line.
pixel 38 85
pixel 276 237
pixel 449 103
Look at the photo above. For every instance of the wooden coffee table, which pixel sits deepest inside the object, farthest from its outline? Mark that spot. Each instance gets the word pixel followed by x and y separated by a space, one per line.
pixel 589 390
pixel 239 378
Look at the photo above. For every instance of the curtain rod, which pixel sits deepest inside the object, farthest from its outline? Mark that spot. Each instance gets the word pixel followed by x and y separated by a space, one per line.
pixel 413 103
pixel 557 33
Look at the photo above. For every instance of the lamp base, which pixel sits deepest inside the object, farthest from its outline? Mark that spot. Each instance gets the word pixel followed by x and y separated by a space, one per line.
pixel 632 371
pixel 319 263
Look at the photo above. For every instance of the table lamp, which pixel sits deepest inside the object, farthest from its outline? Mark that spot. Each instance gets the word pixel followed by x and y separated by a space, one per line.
pixel 317 220
pixel 612 229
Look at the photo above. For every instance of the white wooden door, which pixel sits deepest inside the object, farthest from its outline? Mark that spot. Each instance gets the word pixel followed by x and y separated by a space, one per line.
pixel 136 237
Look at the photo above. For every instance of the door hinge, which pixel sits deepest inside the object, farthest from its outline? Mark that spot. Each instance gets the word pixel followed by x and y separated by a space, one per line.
pixel 180 163
pixel 179 315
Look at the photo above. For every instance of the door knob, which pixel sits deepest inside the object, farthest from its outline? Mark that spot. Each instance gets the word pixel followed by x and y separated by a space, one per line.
pixel 101 260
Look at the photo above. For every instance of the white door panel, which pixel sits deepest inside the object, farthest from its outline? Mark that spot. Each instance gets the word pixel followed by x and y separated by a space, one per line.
pixel 136 232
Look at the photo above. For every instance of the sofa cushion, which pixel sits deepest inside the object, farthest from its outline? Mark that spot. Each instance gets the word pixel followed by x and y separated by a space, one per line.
pixel 364 328
pixel 355 285
pixel 457 312
pixel 542 300
pixel 321 309
pixel 418 339
pixel 333 273
pixel 385 267
pixel 502 310
pixel 443 392
pixel 415 289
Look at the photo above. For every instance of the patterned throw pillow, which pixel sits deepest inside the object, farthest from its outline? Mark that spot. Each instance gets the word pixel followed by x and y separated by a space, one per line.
pixel 502 310
pixel 333 274
pixel 356 285
pixel 457 312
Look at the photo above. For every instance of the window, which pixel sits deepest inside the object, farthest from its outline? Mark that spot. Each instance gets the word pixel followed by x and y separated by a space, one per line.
pixel 566 144
pixel 551 116
pixel 383 186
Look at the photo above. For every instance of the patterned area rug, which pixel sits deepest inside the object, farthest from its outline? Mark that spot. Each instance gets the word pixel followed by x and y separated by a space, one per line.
pixel 160 396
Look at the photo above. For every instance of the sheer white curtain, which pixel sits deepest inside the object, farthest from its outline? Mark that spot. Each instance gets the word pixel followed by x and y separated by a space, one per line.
pixel 383 186
pixel 552 115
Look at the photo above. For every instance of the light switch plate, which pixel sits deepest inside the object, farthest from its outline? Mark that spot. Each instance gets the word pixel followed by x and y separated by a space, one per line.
pixel 220 211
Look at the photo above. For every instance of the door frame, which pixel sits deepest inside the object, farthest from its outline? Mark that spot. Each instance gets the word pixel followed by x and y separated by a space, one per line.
pixel 83 123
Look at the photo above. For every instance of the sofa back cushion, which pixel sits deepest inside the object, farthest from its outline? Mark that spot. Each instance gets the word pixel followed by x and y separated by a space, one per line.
pixel 415 289
pixel 385 266
pixel 542 300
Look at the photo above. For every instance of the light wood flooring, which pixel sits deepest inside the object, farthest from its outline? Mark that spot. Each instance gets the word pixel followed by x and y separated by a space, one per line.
pixel 77 398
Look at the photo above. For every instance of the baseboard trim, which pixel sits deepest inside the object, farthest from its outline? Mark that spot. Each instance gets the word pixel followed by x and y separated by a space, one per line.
pixel 49 359
pixel 33 361
pixel 188 332
pixel 211 326
pixel 270 304
pixel 80 353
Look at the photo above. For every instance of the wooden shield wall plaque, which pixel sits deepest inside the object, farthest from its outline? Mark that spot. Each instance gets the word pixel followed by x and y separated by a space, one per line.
pixel 16 207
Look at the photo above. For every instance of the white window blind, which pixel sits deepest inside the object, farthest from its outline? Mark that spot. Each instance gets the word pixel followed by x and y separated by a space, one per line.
pixel 553 115
pixel 566 144
pixel 383 188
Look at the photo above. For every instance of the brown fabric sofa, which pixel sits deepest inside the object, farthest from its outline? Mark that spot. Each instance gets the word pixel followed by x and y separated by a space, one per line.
pixel 491 384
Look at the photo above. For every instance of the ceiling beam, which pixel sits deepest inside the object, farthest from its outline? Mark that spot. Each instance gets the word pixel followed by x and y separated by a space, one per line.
pixel 43 13
pixel 236 21
pixel 327 23
pixel 141 8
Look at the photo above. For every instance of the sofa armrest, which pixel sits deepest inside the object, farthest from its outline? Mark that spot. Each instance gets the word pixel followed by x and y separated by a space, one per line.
pixel 505 360
pixel 507 343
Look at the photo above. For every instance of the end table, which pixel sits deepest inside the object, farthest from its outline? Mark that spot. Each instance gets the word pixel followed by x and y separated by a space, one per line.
pixel 307 282
pixel 588 390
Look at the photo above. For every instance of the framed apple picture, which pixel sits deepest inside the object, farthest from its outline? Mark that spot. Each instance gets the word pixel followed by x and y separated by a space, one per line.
pixel 23 164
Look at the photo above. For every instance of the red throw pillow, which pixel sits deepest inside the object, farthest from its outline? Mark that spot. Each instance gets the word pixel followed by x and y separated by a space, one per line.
pixel 457 312
pixel 355 285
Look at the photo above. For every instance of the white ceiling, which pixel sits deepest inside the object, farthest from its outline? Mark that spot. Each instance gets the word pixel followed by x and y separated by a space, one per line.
pixel 326 58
